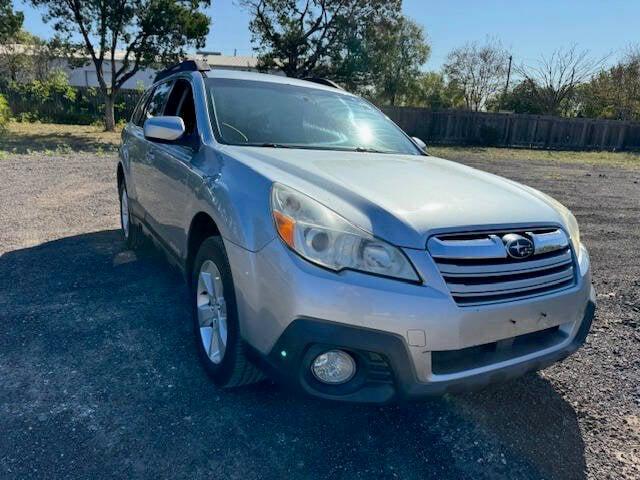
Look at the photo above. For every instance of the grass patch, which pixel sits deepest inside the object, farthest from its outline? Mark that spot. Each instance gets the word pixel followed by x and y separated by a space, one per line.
pixel 55 139
pixel 618 159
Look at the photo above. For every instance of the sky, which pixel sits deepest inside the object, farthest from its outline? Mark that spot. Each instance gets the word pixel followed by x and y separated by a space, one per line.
pixel 527 28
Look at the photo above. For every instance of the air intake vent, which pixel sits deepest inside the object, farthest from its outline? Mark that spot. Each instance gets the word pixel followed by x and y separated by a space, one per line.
pixel 492 267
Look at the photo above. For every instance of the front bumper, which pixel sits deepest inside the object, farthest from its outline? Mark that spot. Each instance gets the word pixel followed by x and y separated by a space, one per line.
pixel 410 340
pixel 384 363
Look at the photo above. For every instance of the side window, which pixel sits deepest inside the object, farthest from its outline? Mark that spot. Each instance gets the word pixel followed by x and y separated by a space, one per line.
pixel 155 106
pixel 136 117
pixel 181 104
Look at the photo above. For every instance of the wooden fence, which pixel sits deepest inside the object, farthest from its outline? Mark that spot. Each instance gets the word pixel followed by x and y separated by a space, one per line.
pixel 461 127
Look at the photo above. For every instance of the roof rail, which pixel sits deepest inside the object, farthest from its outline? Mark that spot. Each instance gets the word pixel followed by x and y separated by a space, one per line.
pixel 323 81
pixel 184 66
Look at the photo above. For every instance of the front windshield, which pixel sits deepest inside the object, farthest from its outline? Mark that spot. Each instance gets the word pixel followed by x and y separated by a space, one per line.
pixel 279 115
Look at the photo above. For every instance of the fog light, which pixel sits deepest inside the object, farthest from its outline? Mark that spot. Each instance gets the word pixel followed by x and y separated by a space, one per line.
pixel 334 367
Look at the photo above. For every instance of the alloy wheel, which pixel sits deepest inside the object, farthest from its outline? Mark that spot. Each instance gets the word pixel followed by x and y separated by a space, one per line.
pixel 124 212
pixel 212 311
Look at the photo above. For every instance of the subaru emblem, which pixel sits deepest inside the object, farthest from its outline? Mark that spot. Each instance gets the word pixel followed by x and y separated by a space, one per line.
pixel 517 246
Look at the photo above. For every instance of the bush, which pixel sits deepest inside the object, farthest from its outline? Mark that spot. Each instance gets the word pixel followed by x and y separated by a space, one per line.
pixel 54 88
pixel 55 101
pixel 5 113
pixel 39 99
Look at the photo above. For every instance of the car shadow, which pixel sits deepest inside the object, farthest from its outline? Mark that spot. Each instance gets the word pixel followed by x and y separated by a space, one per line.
pixel 99 376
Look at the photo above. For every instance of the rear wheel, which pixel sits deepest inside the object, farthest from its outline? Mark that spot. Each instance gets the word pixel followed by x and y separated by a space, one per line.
pixel 220 346
pixel 131 232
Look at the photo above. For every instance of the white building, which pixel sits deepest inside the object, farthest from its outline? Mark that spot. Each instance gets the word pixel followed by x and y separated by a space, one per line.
pixel 85 76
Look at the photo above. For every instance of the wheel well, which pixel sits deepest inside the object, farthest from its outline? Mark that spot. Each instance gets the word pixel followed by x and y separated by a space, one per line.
pixel 202 227
pixel 120 175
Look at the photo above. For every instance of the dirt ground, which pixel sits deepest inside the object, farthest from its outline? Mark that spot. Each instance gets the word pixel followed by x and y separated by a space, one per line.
pixel 99 375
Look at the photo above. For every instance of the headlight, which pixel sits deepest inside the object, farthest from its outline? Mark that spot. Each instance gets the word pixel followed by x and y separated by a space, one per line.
pixel 321 236
pixel 570 221
pixel 568 217
pixel 574 231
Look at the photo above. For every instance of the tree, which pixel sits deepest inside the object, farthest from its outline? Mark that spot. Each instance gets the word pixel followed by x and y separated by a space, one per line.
pixel 15 60
pixel 521 99
pixel 319 37
pixel 431 90
pixel 479 70
pixel 27 57
pixel 10 21
pixel 403 50
pixel 123 36
pixel 613 93
pixel 554 79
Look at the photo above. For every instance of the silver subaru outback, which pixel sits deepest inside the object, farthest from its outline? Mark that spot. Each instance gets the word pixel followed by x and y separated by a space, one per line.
pixel 325 248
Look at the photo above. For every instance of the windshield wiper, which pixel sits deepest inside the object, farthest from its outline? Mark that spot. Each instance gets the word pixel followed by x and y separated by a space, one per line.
pixel 273 145
pixel 313 147
pixel 368 150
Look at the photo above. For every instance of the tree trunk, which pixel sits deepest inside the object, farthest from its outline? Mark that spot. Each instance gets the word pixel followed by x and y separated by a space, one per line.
pixel 109 114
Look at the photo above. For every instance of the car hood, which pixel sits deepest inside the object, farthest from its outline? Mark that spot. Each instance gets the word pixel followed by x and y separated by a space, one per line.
pixel 403 199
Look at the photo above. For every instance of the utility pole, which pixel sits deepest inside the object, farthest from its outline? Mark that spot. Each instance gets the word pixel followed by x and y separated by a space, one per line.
pixel 506 87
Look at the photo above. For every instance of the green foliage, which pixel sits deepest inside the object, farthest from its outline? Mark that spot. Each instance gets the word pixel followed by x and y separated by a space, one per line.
pixel 54 101
pixel 613 93
pixel 319 37
pixel 431 90
pixel 401 51
pixel 140 87
pixel 5 113
pixel 55 86
pixel 148 31
pixel 26 57
pixel 10 21
pixel 366 45
pixel 522 99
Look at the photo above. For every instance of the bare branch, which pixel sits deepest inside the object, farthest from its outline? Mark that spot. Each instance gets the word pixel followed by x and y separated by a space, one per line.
pixel 554 78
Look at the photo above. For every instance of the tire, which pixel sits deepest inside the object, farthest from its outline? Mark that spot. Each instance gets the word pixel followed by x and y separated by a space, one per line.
pixel 132 233
pixel 220 346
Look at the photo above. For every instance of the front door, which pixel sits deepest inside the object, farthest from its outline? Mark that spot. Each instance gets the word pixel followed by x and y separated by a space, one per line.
pixel 166 189
pixel 142 153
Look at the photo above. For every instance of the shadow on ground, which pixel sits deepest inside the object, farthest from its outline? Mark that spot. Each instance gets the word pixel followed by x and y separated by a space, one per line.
pixel 99 377
pixel 55 142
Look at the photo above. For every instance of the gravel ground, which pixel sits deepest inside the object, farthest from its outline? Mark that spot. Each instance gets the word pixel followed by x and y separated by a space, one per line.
pixel 99 375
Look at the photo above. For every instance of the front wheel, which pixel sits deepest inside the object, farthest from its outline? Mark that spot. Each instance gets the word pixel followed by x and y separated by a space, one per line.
pixel 220 346
pixel 130 231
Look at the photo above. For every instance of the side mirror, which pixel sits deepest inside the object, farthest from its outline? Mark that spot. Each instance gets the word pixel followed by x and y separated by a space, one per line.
pixel 164 128
pixel 420 143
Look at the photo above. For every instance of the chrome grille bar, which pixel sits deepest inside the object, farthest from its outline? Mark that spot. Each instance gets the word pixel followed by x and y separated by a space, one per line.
pixel 478 270
pixel 489 269
pixel 534 281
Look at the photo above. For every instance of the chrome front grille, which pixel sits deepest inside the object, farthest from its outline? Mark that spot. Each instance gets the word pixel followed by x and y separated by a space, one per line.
pixel 478 269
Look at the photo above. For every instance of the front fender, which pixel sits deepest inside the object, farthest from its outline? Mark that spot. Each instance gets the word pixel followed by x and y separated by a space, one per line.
pixel 237 198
